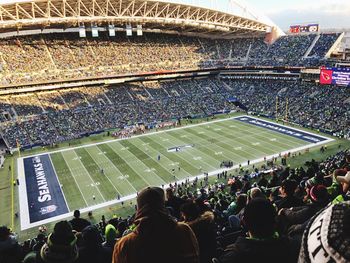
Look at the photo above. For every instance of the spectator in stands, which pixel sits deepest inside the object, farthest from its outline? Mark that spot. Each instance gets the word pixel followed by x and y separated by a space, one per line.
pixel 40 241
pixel 287 191
pixel 59 248
pixel 263 244
pixel 203 227
pixel 345 183
pixel 78 224
pixel 263 182
pixel 173 202
pixel 10 251
pixel 318 197
pixel 236 206
pixel 92 250
pixel 111 237
pixel 157 236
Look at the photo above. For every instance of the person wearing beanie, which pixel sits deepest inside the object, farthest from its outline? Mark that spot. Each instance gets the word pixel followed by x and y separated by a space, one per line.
pixel 327 236
pixel 91 249
pixel 263 244
pixel 287 191
pixel 157 237
pixel 10 251
pixel 173 202
pixel 59 248
pixel 111 237
pixel 78 224
pixel 319 198
pixel 203 227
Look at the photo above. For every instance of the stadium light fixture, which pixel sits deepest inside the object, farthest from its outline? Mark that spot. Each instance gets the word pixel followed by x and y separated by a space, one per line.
pixel 94 31
pixel 111 30
pixel 128 30
pixel 82 31
pixel 139 30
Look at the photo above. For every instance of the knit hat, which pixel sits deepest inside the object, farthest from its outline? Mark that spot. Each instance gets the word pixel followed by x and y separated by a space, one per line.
pixel 152 197
pixel 4 233
pixel 61 245
pixel 327 236
pixel 111 234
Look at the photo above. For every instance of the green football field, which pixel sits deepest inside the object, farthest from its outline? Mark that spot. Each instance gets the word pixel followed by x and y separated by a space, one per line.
pixel 96 174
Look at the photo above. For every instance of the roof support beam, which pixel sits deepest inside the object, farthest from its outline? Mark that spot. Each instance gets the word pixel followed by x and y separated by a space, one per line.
pixel 36 13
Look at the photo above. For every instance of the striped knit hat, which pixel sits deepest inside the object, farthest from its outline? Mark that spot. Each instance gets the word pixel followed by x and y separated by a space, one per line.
pixel 327 236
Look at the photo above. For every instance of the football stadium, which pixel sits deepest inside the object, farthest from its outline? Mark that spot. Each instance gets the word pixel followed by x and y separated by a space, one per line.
pixel 171 131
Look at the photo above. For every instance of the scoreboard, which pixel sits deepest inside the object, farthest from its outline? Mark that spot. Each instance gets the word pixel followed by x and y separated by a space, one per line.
pixel 335 76
pixel 310 28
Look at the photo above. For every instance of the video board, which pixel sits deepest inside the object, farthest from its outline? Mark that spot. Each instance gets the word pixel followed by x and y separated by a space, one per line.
pixel 310 28
pixel 335 76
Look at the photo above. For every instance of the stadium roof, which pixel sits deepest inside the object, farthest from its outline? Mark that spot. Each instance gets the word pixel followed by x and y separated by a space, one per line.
pixel 196 16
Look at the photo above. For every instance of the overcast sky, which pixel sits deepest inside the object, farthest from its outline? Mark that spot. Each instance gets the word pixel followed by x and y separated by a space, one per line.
pixel 329 13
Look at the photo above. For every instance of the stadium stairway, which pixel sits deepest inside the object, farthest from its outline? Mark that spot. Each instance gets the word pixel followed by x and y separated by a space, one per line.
pixel 312 46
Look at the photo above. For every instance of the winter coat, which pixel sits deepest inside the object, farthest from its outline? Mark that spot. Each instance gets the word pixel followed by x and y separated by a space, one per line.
pixel 246 250
pixel 205 231
pixel 162 244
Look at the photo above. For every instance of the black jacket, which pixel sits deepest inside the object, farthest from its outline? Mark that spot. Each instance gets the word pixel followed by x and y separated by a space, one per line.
pixel 288 202
pixel 247 250
pixel 205 231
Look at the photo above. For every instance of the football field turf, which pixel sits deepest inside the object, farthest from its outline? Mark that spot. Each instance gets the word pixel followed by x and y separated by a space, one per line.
pixel 101 174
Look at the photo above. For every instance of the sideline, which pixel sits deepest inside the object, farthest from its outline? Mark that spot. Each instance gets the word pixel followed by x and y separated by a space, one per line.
pixel 24 211
pixel 12 196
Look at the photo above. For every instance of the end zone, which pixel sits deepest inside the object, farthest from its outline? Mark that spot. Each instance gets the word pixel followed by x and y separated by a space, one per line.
pixel 40 196
pixel 286 130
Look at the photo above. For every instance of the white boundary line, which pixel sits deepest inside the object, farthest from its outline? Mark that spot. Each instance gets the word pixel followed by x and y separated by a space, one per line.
pixel 22 193
pixel 59 183
pixel 23 190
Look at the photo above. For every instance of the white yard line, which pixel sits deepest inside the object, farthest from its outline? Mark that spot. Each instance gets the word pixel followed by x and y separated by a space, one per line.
pixel 71 172
pixel 87 172
pixel 141 163
pixel 171 140
pixel 179 156
pixel 117 169
pixel 261 132
pixel 163 156
pixel 23 199
pixel 174 129
pixel 26 225
pixel 105 174
pixel 225 139
pixel 54 170
pixel 135 136
pixel 207 146
pixel 249 143
pixel 143 179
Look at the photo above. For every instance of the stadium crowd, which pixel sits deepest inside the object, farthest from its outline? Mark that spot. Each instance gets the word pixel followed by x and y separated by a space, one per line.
pixel 55 116
pixel 66 56
pixel 273 213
